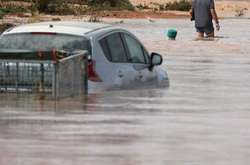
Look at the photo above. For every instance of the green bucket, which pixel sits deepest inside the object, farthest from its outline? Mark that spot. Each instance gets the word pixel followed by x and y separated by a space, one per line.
pixel 171 33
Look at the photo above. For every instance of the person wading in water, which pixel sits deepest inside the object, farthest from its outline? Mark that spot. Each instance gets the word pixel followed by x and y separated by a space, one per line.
pixel 203 13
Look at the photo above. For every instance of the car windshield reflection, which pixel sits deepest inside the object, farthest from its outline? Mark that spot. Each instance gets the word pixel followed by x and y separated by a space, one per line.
pixel 43 42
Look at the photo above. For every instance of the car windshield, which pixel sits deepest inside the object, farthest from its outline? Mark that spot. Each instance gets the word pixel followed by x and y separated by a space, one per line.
pixel 43 42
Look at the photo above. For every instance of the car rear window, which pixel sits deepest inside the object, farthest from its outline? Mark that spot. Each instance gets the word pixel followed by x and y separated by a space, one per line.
pixel 44 42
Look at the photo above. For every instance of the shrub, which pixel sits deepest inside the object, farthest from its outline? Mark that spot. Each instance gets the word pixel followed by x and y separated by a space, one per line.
pixel 68 6
pixel 142 6
pixel 57 8
pixel 4 11
pixel 60 7
pixel 1 14
pixel 110 4
pixel 183 5
pixel 42 5
pixel 7 7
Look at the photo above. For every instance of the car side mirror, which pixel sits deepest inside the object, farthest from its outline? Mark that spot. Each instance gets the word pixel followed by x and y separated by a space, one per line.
pixel 155 59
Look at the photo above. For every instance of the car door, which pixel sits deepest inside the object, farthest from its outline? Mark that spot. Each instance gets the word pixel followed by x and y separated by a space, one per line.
pixel 140 60
pixel 116 72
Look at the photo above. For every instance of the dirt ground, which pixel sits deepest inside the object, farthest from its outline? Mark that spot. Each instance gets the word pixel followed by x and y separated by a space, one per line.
pixel 225 9
pixel 143 14
pixel 233 8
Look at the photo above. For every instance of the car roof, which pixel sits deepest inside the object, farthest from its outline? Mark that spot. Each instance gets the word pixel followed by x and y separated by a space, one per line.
pixel 79 28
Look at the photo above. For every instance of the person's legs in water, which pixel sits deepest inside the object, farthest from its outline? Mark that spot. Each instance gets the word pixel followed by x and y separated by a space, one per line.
pixel 209 30
pixel 200 34
pixel 210 35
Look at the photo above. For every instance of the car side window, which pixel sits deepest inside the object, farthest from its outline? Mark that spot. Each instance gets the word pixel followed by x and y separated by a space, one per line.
pixel 105 49
pixel 146 56
pixel 113 48
pixel 135 49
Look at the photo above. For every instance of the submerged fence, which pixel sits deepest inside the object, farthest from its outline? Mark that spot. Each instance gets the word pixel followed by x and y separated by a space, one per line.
pixel 56 79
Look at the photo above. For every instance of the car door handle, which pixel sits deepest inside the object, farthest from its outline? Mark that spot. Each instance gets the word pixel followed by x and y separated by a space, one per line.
pixel 140 75
pixel 120 74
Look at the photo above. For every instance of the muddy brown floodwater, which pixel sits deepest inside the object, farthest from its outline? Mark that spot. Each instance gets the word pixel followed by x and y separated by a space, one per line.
pixel 203 118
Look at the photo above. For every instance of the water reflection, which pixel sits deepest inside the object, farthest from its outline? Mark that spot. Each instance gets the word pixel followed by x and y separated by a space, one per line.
pixel 202 118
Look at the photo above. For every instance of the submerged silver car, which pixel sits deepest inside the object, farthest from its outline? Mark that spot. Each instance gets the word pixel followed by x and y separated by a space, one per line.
pixel 117 58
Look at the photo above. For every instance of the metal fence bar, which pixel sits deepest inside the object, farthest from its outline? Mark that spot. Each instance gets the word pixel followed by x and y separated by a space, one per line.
pixel 63 78
pixel 17 71
pixel 71 76
pixel 24 76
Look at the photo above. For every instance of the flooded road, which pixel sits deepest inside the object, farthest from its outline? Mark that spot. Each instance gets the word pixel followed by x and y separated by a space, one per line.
pixel 203 118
